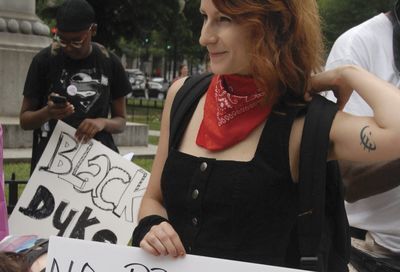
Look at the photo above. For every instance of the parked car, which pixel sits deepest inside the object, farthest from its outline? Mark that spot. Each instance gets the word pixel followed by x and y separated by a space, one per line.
pixel 137 79
pixel 133 74
pixel 164 82
pixel 154 89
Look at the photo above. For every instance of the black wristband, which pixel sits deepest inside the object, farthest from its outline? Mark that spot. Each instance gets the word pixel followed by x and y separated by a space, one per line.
pixel 144 226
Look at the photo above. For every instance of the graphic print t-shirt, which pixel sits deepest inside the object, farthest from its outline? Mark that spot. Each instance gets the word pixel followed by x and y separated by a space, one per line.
pixel 86 87
pixel 90 84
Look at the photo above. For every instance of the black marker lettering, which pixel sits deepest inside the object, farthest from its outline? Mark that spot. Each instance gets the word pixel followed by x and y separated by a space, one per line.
pixel 83 223
pixel 87 268
pixel 41 205
pixel 62 226
pixel 54 266
pixel 105 236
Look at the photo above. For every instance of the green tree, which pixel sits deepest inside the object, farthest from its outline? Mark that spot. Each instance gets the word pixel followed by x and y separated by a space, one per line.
pixel 139 28
pixel 195 52
pixel 340 15
pixel 131 19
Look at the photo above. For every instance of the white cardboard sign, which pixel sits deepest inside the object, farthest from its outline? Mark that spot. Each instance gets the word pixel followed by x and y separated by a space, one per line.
pixel 70 255
pixel 84 191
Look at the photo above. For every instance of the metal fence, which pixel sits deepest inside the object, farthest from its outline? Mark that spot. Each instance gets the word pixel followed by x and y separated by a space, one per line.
pixel 144 110
pixel 12 186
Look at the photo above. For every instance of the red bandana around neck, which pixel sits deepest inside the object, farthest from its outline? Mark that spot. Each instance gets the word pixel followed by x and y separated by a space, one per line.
pixel 232 110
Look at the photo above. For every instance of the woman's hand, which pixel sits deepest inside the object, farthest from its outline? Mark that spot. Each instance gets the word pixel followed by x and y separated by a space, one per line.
pixel 163 240
pixel 332 80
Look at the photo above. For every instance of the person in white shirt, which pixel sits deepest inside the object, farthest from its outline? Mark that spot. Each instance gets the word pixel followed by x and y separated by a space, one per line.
pixel 372 191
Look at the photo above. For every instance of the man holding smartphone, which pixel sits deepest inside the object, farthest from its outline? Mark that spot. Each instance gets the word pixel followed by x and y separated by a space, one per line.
pixel 74 80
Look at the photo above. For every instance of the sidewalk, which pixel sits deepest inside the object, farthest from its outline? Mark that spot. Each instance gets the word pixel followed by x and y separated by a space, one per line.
pixel 154 133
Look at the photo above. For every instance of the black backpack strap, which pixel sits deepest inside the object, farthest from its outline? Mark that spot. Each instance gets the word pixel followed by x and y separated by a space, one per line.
pixel 312 180
pixel 193 88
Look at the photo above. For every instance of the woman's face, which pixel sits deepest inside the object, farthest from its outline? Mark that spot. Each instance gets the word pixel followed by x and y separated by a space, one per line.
pixel 228 43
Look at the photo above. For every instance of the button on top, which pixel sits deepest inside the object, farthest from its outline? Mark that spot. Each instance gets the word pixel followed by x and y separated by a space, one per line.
pixel 195 221
pixel 195 194
pixel 203 166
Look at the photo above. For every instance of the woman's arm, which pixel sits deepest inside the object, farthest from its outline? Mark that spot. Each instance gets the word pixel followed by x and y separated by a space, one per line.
pixel 161 239
pixel 363 138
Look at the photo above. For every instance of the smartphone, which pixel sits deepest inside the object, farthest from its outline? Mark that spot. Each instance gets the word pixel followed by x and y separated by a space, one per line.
pixel 58 99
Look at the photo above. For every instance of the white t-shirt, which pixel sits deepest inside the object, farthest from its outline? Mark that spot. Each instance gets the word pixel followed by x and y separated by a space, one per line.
pixel 370 45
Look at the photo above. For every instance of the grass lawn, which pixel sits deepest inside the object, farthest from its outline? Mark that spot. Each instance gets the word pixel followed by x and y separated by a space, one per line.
pixel 144 163
pixel 153 140
pixel 145 111
pixel 21 171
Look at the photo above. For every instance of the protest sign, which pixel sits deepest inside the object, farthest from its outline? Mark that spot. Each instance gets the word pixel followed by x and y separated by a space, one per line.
pixel 70 255
pixel 84 191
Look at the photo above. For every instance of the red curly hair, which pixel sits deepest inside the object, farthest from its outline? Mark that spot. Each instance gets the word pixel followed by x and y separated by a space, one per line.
pixel 288 43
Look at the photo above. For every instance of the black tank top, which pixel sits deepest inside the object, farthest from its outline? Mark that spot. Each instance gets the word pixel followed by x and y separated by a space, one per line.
pixel 237 210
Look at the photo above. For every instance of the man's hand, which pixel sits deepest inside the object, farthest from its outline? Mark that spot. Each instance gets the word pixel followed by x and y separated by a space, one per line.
pixel 332 80
pixel 88 129
pixel 57 110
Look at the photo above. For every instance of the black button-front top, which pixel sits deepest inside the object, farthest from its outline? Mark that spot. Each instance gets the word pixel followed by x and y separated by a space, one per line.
pixel 236 210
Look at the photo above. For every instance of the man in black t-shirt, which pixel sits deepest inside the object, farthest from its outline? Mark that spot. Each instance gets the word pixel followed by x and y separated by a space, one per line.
pixel 91 79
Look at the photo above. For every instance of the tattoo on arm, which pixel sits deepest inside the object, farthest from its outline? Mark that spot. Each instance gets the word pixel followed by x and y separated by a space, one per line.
pixel 366 139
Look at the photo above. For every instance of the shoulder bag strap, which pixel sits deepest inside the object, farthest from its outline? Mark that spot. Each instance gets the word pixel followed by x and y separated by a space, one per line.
pixel 312 178
pixel 193 88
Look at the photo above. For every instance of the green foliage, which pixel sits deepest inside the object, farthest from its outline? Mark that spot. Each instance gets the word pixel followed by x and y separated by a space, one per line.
pixel 340 15
pixel 131 19
pixel 159 28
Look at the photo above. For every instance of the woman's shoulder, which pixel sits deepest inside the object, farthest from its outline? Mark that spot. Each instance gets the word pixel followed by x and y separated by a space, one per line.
pixel 171 93
pixel 176 86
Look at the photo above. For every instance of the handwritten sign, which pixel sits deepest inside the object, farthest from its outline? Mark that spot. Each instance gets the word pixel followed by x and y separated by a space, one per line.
pixel 70 255
pixel 84 191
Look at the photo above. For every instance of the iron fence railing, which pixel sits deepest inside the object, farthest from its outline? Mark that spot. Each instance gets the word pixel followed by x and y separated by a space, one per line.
pixel 147 109
pixel 12 187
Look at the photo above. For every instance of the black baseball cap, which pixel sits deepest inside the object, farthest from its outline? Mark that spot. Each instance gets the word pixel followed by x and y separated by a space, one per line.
pixel 74 16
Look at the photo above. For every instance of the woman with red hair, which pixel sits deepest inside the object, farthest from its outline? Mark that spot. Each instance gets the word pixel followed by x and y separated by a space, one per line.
pixel 228 187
